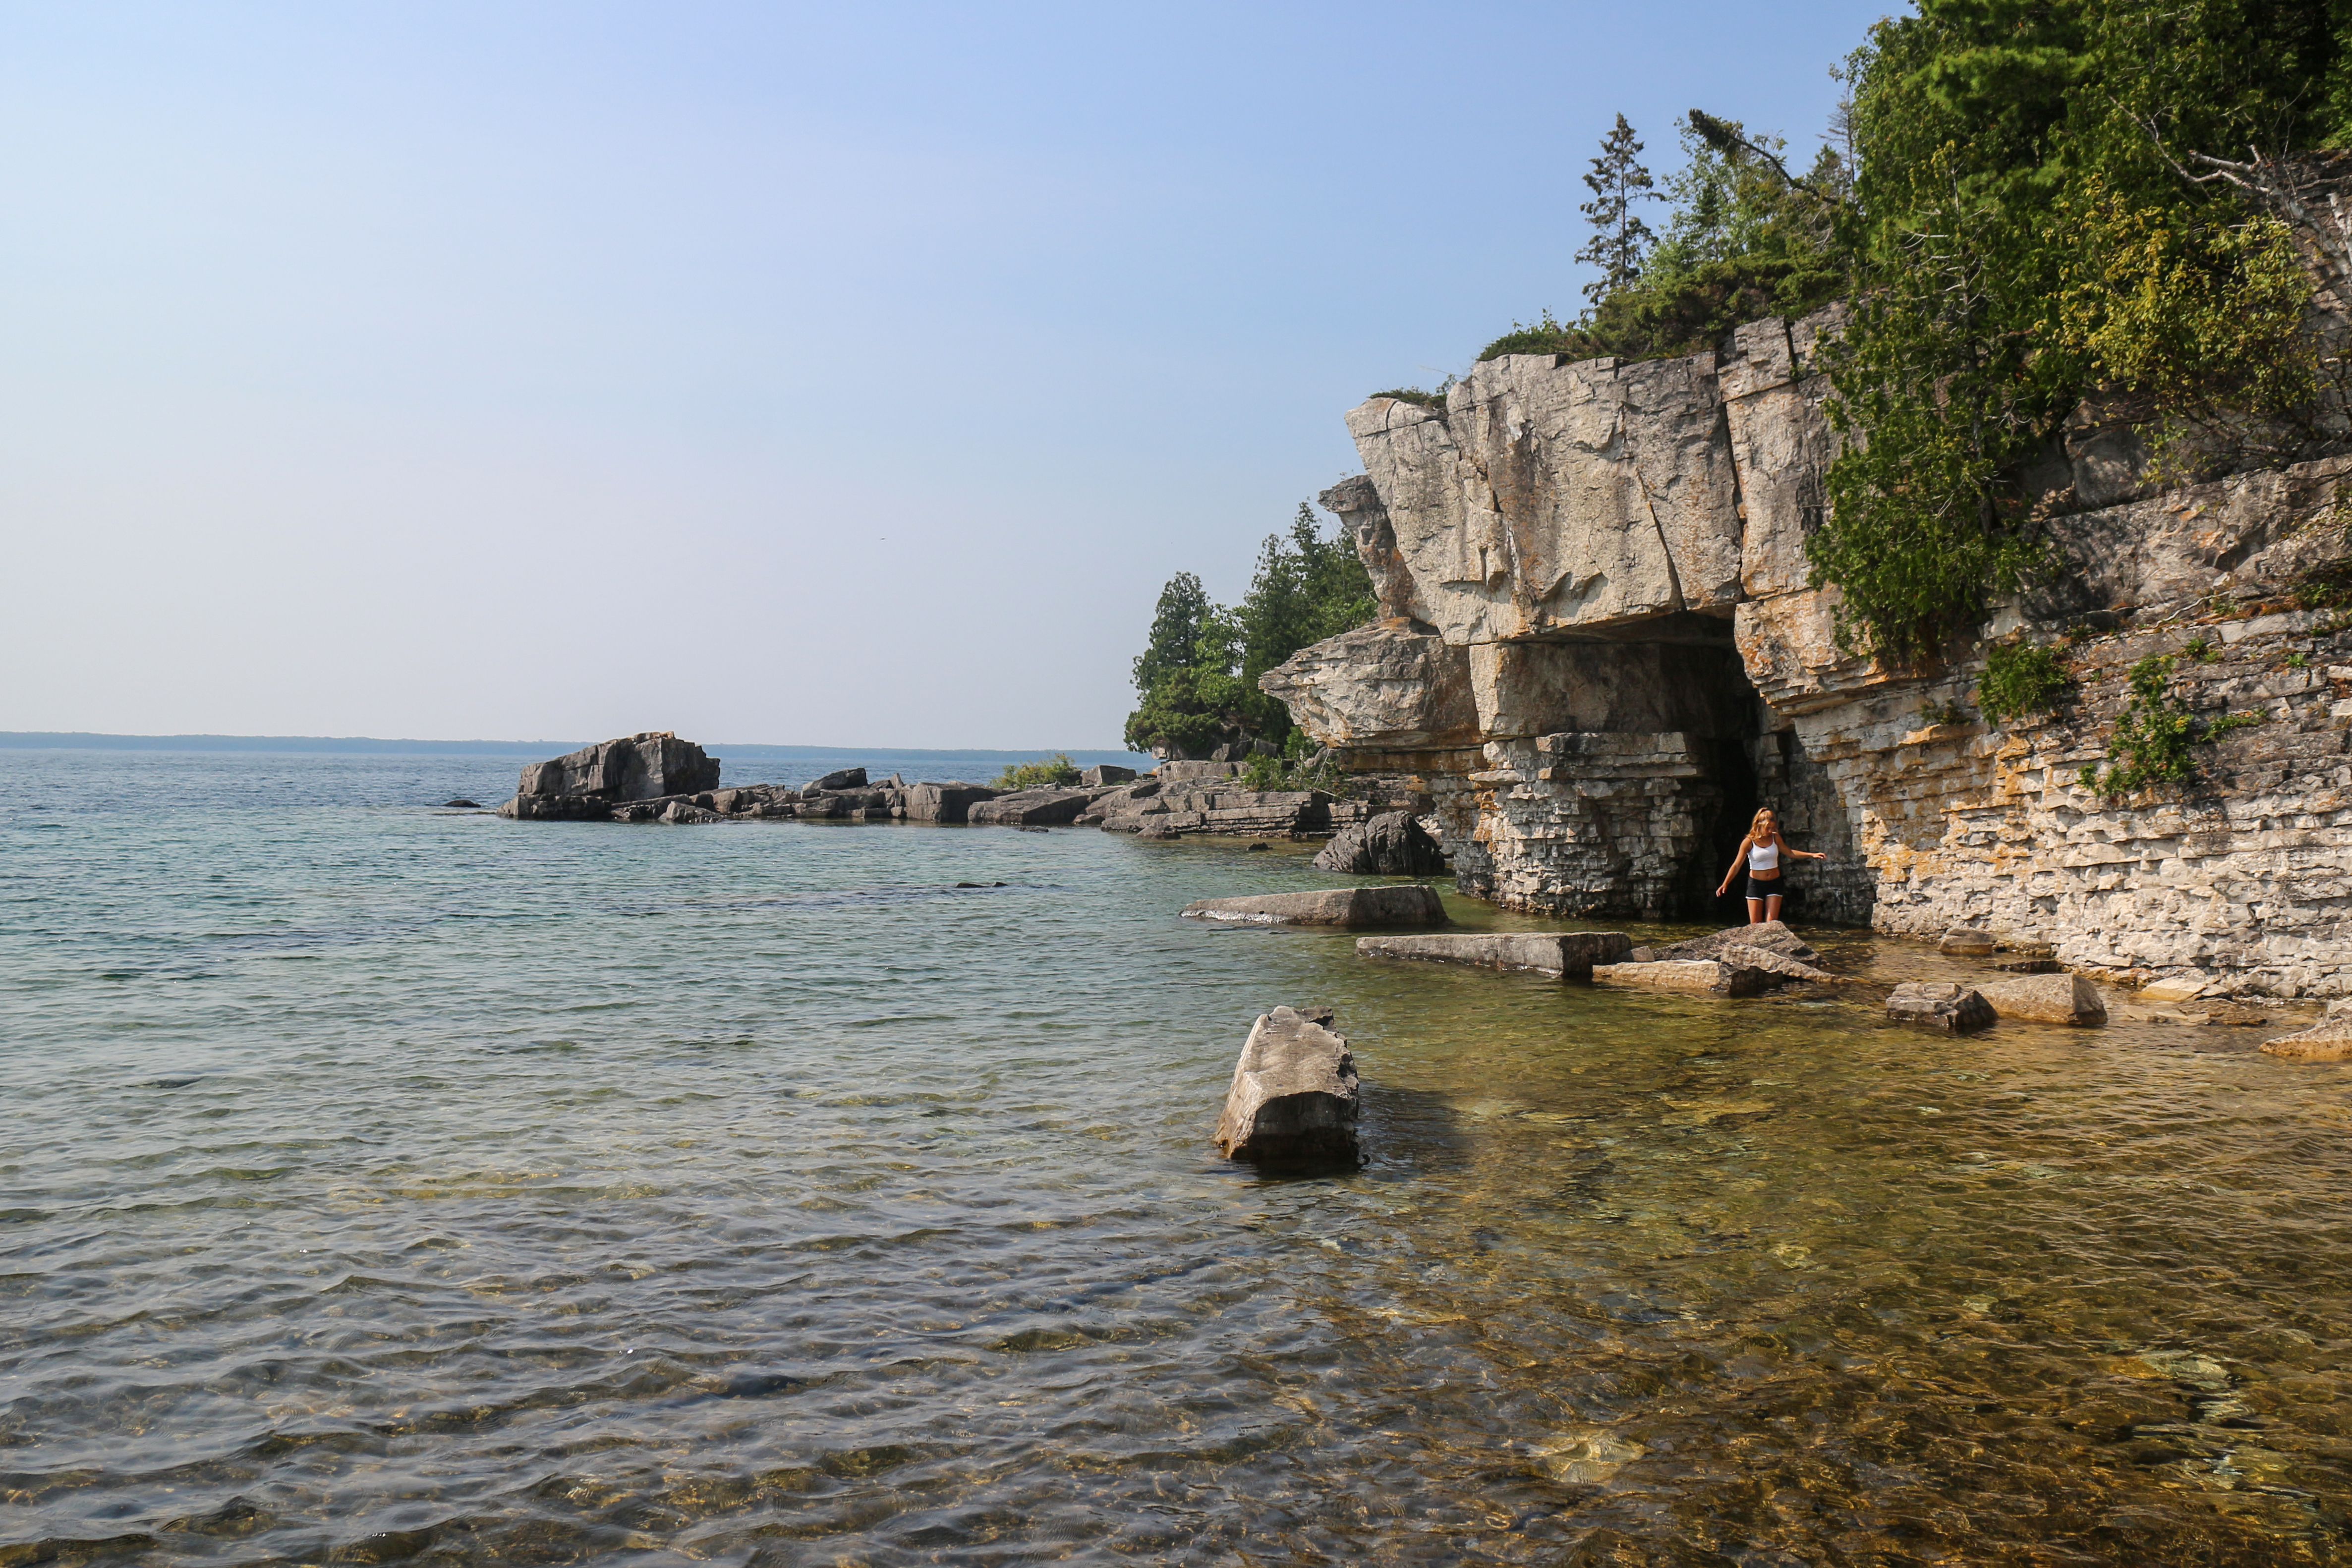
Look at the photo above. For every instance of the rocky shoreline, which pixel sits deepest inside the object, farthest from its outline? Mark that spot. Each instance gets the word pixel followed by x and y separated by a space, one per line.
pixel 1600 648
pixel 654 776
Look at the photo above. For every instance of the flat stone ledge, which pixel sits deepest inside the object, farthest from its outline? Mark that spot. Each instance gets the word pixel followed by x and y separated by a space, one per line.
pixel 1412 904
pixel 1689 977
pixel 2328 1041
pixel 1564 955
pixel 2046 998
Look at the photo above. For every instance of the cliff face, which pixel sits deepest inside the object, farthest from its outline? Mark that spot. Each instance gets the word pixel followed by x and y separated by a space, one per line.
pixel 1598 655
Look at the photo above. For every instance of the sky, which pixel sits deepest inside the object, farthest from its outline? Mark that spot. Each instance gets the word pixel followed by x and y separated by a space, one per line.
pixel 801 374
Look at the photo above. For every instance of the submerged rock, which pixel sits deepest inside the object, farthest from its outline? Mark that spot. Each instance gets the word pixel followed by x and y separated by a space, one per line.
pixel 1417 904
pixel 1391 845
pixel 1695 976
pixel 1952 1008
pixel 2046 998
pixel 1568 954
pixel 2330 1039
pixel 557 809
pixel 461 803
pixel 1294 1094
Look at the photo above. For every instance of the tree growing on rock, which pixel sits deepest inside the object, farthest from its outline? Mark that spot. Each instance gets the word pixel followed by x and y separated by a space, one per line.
pixel 1198 673
pixel 1621 240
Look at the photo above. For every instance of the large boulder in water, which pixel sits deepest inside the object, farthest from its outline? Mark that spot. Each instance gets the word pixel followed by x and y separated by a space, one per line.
pixel 1293 1100
pixel 645 766
pixel 1391 845
pixel 1955 1008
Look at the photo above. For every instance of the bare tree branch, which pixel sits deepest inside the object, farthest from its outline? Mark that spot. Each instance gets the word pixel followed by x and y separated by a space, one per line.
pixel 1726 136
pixel 2306 193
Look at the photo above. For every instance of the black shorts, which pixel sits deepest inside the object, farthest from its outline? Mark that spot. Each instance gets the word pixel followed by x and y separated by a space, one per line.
pixel 1776 888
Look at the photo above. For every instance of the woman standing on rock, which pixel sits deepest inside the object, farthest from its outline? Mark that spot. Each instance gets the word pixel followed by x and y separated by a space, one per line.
pixel 1762 852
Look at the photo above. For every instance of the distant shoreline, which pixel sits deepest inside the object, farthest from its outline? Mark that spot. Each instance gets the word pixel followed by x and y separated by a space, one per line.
pixel 361 746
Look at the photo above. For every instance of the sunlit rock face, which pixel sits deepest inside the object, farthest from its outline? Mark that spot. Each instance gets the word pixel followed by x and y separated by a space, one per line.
pixel 1600 652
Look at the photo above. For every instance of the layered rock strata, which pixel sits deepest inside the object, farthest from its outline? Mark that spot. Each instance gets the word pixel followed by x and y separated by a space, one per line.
pixel 1598 653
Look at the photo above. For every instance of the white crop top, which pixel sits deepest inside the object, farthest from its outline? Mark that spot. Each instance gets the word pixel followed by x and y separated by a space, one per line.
pixel 1764 857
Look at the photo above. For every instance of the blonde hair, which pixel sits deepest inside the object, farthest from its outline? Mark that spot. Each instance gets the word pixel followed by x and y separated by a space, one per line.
pixel 1756 822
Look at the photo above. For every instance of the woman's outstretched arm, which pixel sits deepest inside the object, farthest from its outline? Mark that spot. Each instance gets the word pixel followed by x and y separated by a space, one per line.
pixel 1739 859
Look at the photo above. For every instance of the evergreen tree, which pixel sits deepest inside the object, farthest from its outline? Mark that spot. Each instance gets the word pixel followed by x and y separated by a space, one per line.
pixel 1176 624
pixel 1199 674
pixel 1621 240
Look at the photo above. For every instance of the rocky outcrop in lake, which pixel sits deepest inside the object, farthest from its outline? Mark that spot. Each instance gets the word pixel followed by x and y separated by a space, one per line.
pixel 657 778
pixel 1599 652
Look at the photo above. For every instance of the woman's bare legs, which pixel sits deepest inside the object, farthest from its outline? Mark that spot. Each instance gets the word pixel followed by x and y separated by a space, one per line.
pixel 1771 908
pixel 1755 911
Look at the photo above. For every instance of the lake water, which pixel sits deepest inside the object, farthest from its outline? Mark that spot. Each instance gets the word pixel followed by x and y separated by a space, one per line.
pixel 380 1184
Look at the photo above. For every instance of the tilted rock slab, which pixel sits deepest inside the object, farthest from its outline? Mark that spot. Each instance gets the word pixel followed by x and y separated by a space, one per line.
pixel 1694 977
pixel 1947 1006
pixel 1566 955
pixel 2046 998
pixel 1739 955
pixel 1031 809
pixel 1390 844
pixel 1417 904
pixel 1294 1095
pixel 2328 1041
pixel 1771 936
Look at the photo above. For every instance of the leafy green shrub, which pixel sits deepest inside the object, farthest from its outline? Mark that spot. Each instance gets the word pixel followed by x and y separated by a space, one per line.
pixel 1546 337
pixel 1425 399
pixel 1045 773
pixel 1292 768
pixel 2155 734
pixel 1198 675
pixel 2020 678
pixel 2327 586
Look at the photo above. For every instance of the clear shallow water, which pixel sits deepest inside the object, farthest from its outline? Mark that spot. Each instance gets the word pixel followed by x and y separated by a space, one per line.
pixel 382 1185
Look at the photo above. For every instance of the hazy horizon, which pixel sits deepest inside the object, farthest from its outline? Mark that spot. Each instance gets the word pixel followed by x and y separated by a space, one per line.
pixel 790 371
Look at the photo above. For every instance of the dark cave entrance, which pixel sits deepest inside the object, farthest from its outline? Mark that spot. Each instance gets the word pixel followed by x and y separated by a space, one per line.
pixel 1733 759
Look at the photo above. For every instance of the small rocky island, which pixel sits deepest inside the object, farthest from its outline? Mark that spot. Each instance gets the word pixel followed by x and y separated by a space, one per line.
pixel 654 776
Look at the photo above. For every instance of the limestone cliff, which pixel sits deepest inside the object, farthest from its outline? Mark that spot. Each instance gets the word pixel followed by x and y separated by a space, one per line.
pixel 1598 654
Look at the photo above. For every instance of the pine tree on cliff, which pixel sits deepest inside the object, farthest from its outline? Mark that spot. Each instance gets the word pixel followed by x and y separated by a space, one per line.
pixel 1621 240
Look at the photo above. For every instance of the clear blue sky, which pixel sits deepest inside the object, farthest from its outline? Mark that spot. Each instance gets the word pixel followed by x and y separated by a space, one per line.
pixel 807 374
